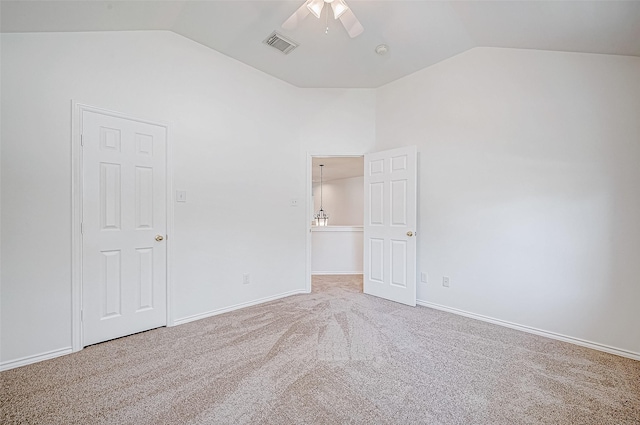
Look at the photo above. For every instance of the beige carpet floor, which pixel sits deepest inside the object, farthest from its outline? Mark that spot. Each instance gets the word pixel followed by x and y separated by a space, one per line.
pixel 335 356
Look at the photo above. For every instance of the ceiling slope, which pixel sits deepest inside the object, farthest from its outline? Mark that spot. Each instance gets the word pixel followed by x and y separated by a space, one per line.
pixel 418 33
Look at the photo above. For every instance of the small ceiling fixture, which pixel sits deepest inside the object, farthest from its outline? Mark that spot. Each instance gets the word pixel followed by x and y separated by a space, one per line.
pixel 382 49
pixel 321 217
pixel 340 11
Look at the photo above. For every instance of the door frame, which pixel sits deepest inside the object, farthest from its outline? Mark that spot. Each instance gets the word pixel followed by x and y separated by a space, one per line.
pixel 309 207
pixel 77 109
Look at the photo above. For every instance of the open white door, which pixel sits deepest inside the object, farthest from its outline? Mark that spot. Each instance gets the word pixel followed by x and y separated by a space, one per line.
pixel 390 224
pixel 124 225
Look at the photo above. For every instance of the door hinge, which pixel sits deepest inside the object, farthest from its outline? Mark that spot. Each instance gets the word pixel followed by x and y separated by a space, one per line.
pixel 82 315
pixel 82 140
pixel 82 228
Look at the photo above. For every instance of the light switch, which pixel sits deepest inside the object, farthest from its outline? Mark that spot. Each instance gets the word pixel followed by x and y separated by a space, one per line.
pixel 181 196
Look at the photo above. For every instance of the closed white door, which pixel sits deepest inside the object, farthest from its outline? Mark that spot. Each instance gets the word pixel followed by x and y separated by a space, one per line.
pixel 123 227
pixel 390 224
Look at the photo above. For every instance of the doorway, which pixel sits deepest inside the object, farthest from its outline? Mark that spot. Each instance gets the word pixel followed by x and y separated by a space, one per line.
pixel 120 199
pixel 388 223
pixel 336 247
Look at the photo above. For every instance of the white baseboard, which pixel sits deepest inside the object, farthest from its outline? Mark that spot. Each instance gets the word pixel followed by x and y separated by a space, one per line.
pixel 236 307
pixel 528 329
pixel 23 361
pixel 337 273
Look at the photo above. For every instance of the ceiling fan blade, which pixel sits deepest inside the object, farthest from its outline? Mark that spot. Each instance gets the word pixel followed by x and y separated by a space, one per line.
pixel 297 17
pixel 351 24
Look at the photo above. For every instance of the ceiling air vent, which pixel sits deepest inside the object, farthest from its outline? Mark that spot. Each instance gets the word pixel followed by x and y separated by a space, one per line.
pixel 281 43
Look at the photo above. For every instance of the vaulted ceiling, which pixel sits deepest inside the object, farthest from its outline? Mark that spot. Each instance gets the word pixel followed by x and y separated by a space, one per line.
pixel 418 33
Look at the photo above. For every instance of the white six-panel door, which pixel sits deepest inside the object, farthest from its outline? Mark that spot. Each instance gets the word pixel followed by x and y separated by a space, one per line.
pixel 390 224
pixel 123 227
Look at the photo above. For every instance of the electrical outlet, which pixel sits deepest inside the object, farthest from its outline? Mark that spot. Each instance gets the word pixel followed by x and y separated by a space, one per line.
pixel 246 279
pixel 445 281
pixel 293 202
pixel 424 278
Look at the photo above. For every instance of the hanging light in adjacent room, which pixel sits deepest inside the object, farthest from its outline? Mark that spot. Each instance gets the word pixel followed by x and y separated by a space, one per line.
pixel 321 217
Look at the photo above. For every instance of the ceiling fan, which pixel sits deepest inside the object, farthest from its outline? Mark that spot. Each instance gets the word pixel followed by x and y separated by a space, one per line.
pixel 340 11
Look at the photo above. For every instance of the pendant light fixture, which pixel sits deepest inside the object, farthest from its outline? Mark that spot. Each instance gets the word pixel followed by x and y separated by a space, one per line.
pixel 321 217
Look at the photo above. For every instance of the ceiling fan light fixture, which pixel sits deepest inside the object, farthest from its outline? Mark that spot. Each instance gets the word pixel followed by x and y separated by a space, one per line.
pixel 315 7
pixel 339 7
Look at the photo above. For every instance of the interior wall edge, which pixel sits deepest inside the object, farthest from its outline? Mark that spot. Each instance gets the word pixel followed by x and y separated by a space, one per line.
pixel 528 329
pixel 35 358
pixel 222 310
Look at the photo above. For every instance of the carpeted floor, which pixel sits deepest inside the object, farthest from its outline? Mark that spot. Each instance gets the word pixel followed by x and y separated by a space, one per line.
pixel 335 356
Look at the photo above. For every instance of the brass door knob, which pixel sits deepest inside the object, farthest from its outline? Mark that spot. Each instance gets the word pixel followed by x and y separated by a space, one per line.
pixel 409 233
pixel 159 238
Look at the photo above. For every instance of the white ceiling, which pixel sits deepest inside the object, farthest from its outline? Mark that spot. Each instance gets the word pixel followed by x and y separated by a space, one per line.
pixel 418 33
pixel 337 167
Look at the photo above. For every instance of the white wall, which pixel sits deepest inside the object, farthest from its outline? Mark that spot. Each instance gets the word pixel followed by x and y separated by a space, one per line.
pixel 230 126
pixel 343 200
pixel 528 177
pixel 335 122
pixel 337 250
pixel 528 183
